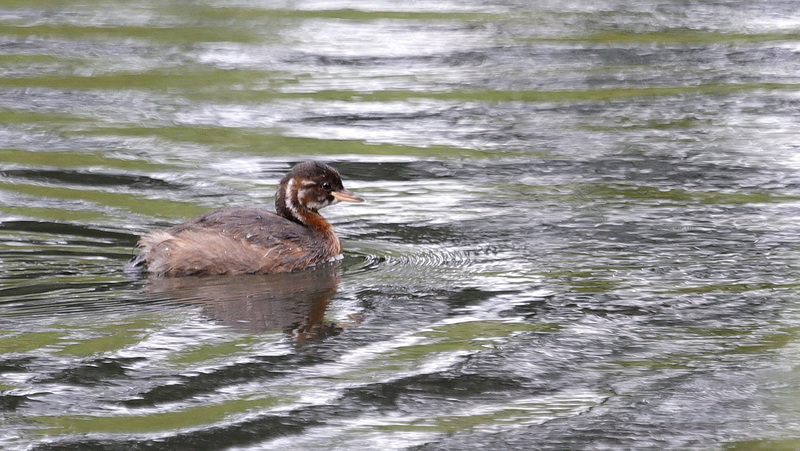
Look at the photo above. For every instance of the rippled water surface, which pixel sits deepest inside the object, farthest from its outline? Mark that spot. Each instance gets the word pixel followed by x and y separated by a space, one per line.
pixel 581 229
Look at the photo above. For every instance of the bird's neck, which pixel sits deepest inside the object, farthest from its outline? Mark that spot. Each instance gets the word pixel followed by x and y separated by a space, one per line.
pixel 288 206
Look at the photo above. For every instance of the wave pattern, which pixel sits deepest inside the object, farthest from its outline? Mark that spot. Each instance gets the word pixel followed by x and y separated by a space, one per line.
pixel 580 230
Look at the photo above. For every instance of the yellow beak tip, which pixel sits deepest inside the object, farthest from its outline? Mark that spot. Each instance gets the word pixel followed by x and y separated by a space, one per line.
pixel 346 196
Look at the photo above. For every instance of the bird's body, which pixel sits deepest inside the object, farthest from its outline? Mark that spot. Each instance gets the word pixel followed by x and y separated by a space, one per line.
pixel 241 240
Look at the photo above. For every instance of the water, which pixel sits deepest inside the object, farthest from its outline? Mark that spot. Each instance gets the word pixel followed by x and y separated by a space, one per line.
pixel 581 228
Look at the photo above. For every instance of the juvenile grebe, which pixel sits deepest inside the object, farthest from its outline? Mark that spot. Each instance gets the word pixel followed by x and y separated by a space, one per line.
pixel 242 240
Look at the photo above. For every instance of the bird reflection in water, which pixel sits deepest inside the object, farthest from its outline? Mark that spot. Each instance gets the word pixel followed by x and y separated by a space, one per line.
pixel 294 303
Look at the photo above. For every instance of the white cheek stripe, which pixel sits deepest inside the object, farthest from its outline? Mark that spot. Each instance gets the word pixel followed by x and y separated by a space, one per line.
pixel 290 201
pixel 320 205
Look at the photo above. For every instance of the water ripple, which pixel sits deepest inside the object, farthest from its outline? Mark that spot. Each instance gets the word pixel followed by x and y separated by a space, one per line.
pixel 581 218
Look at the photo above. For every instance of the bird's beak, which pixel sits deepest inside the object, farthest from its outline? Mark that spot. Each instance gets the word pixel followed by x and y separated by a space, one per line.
pixel 346 196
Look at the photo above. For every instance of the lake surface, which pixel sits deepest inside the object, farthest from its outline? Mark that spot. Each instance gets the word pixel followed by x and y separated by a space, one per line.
pixel 581 230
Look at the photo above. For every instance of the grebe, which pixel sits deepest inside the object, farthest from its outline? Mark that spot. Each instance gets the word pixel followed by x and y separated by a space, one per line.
pixel 243 240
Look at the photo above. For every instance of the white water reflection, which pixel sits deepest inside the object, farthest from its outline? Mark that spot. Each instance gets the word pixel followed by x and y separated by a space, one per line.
pixel 581 218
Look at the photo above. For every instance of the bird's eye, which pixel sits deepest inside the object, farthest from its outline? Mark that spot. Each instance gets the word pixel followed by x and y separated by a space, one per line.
pixel 326 186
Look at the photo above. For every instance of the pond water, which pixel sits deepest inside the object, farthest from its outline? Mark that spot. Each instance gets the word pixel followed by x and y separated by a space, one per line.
pixel 581 230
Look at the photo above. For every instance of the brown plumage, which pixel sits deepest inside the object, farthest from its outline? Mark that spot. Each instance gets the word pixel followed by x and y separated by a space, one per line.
pixel 242 240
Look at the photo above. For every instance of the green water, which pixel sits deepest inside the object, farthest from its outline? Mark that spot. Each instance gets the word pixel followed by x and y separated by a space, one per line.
pixel 580 231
